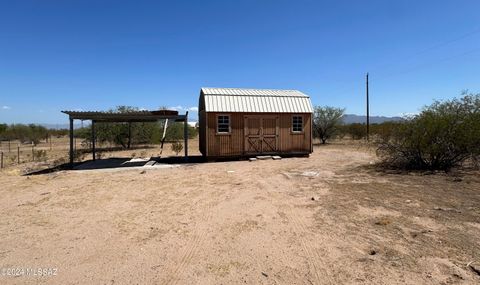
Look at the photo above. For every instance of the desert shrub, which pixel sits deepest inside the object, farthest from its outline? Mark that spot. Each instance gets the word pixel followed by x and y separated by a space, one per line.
pixel 141 133
pixel 13 158
pixel 326 122
pixel 40 155
pixel 444 135
pixel 385 130
pixel 58 132
pixel 177 147
pixel 356 131
pixel 24 133
pixel 60 161
pixel 3 128
pixel 79 155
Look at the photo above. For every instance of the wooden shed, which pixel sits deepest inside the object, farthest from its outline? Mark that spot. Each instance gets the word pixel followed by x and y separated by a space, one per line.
pixel 236 122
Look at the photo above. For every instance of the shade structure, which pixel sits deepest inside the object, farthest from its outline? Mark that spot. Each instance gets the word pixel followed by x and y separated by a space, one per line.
pixel 125 117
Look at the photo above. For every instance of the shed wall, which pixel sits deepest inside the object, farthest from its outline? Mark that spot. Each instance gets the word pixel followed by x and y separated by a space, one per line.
pixel 202 131
pixel 233 144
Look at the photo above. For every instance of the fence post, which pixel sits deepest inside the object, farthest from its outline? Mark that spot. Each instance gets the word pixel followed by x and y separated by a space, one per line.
pixel 1 160
pixel 50 140
pixel 33 152
pixel 18 154
pixel 8 146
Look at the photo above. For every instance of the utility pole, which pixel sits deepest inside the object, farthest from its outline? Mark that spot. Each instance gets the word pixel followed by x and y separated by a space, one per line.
pixel 368 114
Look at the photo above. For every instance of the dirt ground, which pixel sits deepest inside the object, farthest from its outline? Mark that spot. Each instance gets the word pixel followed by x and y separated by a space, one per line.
pixel 327 219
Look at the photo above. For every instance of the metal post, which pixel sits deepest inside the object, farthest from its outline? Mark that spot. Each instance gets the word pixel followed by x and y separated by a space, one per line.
pixel 129 135
pixel 8 146
pixel 368 114
pixel 185 135
pixel 18 154
pixel 33 152
pixel 71 141
pixel 93 139
pixel 1 164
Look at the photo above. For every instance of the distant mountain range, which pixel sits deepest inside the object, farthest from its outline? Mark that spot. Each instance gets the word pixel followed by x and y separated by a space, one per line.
pixel 350 119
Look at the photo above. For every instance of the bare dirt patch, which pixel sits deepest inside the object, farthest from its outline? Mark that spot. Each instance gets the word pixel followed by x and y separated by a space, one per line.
pixel 244 222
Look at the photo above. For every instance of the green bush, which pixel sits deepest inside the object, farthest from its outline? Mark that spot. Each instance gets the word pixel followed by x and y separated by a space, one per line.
pixel 326 122
pixel 384 131
pixel 141 133
pixel 24 133
pixel 357 131
pixel 444 135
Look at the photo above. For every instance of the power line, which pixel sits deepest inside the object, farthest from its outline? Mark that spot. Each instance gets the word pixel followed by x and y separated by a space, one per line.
pixel 431 63
pixel 433 47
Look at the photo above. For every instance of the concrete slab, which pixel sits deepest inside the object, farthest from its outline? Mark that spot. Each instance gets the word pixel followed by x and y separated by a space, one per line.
pixel 264 157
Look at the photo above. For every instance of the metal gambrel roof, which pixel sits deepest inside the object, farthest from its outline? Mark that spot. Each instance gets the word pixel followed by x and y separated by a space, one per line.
pixel 256 100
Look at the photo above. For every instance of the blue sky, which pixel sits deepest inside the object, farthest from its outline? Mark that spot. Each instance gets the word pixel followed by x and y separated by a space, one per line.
pixel 95 55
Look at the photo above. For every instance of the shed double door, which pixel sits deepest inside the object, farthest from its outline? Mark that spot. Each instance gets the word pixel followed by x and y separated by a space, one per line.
pixel 261 134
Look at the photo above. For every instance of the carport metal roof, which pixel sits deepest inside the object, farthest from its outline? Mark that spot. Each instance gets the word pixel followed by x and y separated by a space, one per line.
pixel 132 116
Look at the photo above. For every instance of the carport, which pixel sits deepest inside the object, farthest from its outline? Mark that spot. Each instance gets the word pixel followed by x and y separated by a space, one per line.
pixel 126 117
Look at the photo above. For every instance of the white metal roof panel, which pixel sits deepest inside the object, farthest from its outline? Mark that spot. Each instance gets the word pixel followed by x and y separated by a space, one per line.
pixel 256 100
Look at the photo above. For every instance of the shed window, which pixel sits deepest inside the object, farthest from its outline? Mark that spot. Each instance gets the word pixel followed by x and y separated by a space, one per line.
pixel 223 124
pixel 297 124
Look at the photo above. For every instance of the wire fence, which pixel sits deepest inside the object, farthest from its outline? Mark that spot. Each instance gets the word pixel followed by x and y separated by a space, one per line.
pixel 56 150
pixel 15 152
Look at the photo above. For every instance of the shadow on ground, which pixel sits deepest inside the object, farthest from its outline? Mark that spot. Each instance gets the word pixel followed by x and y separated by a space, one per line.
pixel 156 162
pixel 121 162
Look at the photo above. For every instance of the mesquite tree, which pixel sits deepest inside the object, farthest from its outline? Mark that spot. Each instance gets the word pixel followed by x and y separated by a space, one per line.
pixel 326 122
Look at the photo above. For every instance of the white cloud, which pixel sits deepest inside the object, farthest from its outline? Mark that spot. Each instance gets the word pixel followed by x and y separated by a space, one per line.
pixel 182 108
pixel 6 107
pixel 177 108
pixel 407 114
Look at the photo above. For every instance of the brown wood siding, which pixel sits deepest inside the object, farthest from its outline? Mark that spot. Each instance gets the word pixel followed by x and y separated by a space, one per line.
pixel 233 144
pixel 202 131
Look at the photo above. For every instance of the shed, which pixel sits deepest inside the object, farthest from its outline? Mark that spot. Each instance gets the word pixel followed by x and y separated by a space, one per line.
pixel 235 122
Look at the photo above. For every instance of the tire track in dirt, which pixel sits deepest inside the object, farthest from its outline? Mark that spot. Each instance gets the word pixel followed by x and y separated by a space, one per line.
pixel 188 252
pixel 312 254
pixel 314 260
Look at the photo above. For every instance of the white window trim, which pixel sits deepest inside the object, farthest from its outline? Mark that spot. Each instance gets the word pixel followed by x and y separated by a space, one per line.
pixel 229 124
pixel 303 127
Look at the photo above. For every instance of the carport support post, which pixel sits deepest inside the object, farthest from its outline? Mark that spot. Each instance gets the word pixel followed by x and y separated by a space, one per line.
pixel 71 142
pixel 93 139
pixel 129 135
pixel 185 135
